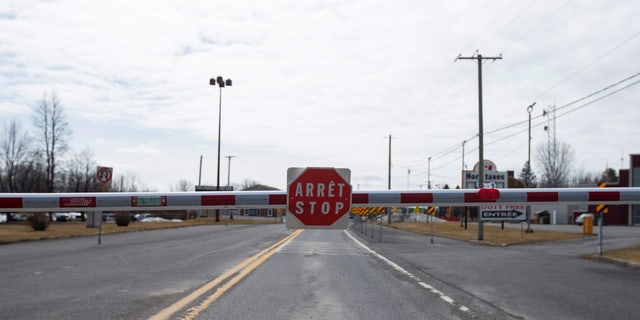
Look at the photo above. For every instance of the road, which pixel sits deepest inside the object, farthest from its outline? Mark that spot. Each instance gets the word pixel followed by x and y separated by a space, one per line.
pixel 317 274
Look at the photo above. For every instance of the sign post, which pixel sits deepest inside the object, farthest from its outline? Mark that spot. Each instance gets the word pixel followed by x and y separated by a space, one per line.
pixel 318 198
pixel 601 209
pixel 104 175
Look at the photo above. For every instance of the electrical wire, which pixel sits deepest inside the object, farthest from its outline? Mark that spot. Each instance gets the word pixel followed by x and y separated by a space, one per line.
pixel 452 149
pixel 597 92
pixel 587 65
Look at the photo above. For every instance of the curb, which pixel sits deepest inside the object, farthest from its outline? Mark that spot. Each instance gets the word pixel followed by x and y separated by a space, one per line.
pixel 624 263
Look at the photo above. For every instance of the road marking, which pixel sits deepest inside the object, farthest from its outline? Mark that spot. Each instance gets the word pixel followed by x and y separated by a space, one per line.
pixel 243 269
pixel 423 284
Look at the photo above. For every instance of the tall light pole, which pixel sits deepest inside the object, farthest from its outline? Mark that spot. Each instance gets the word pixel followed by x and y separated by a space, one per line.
pixel 221 83
pixel 229 170
pixel 529 109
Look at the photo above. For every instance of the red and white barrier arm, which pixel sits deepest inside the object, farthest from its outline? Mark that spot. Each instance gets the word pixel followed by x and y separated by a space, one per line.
pixel 138 201
pixel 471 197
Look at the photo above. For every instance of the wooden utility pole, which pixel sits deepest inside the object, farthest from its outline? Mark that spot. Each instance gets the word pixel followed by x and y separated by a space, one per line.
pixel 479 57
pixel 389 182
pixel 389 177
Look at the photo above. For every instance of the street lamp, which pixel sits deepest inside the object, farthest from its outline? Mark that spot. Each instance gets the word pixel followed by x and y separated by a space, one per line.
pixel 528 177
pixel 529 109
pixel 221 83
pixel 429 174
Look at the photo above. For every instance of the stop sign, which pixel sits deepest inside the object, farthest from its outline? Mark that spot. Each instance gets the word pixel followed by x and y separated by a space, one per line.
pixel 318 198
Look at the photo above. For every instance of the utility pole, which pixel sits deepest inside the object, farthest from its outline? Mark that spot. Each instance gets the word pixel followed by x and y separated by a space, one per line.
pixel 389 176
pixel 429 173
pixel 462 169
pixel 479 57
pixel 200 173
pixel 462 186
pixel 389 183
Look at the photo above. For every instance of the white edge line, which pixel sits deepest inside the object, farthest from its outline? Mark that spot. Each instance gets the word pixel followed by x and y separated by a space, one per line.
pixel 411 276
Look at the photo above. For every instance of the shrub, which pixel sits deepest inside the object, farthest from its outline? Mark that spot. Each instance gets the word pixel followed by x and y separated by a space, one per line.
pixel 39 221
pixel 123 219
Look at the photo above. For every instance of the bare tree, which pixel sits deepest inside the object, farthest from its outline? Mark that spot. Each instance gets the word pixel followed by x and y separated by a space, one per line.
pixel 14 148
pixel 80 173
pixel 582 178
pixel 247 184
pixel 128 183
pixel 54 130
pixel 183 185
pixel 556 159
pixel 31 174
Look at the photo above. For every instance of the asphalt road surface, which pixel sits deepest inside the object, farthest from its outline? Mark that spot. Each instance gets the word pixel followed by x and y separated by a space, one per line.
pixel 269 272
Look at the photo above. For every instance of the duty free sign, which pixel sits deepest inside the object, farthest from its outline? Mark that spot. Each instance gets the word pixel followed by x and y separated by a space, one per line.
pixel 502 212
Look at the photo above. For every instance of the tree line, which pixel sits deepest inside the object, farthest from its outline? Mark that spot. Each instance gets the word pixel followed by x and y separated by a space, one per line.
pixel 39 160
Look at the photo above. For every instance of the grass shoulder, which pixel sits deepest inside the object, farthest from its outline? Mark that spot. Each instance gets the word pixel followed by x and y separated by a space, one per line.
pixel 18 232
pixel 495 235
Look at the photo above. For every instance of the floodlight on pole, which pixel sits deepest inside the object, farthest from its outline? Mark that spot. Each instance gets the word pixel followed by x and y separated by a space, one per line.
pixel 221 83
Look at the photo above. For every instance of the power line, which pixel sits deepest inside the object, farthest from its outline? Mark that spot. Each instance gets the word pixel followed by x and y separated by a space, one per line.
pixel 524 35
pixel 576 101
pixel 588 65
pixel 512 21
pixel 452 149
pixel 597 99
pixel 488 25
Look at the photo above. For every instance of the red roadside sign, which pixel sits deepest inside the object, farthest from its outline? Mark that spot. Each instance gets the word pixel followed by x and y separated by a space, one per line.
pixel 318 198
pixel 104 174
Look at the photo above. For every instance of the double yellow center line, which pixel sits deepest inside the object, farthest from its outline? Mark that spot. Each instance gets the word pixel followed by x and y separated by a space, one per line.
pixel 241 270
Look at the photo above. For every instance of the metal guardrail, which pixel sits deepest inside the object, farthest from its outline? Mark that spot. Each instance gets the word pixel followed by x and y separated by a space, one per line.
pixel 138 201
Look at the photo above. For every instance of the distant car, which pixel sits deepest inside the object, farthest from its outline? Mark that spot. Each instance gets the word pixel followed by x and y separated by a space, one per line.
pixel 17 216
pixel 75 215
pixel 581 217
pixel 141 216
pixel 61 216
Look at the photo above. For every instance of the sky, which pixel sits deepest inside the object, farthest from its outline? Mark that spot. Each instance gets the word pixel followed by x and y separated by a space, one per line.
pixel 327 84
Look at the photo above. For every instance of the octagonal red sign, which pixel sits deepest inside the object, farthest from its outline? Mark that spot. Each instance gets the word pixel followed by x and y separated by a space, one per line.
pixel 318 197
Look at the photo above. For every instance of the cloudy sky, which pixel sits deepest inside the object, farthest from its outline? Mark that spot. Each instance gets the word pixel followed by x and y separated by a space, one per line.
pixel 325 83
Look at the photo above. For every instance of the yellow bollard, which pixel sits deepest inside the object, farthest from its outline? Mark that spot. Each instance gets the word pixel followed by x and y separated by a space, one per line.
pixel 587 225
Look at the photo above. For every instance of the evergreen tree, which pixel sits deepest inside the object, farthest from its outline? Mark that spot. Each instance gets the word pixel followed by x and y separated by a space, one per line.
pixel 528 176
